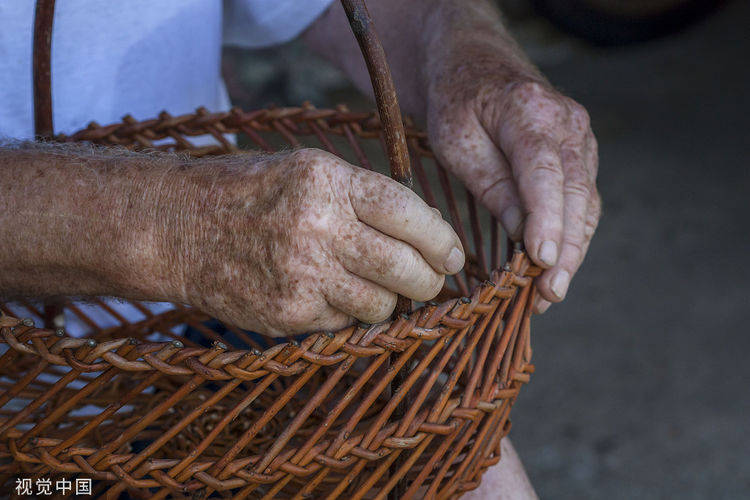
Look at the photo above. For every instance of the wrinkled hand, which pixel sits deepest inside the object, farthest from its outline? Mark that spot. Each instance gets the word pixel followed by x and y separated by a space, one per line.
pixel 304 241
pixel 528 154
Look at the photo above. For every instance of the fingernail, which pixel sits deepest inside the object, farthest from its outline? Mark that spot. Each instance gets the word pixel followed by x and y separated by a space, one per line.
pixel 455 261
pixel 511 219
pixel 542 306
pixel 559 284
pixel 548 252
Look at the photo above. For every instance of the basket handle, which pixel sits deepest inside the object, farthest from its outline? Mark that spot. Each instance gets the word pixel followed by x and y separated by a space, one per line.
pixel 387 102
pixel 43 16
pixel 382 85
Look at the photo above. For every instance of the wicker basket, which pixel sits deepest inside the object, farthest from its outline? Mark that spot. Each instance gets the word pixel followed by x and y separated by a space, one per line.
pixel 410 408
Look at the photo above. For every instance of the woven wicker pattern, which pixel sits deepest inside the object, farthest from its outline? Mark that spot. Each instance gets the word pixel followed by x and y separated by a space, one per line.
pixel 414 407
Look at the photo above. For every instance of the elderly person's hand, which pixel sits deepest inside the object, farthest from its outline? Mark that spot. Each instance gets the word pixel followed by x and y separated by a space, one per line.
pixel 304 241
pixel 528 154
pixel 281 244
pixel 524 150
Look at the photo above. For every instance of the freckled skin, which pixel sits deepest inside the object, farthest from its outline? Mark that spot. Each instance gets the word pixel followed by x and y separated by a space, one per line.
pixel 278 267
pixel 524 150
pixel 284 244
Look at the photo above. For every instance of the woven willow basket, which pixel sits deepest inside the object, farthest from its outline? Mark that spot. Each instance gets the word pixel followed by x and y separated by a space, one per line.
pixel 410 408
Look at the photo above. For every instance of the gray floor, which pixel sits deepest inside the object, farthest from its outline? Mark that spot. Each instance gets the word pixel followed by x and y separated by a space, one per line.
pixel 643 381
pixel 643 377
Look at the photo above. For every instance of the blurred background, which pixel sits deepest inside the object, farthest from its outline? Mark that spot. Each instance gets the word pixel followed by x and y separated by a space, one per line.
pixel 642 387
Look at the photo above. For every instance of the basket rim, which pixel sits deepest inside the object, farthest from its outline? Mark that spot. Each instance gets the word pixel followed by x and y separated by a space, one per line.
pixel 222 362
pixel 338 120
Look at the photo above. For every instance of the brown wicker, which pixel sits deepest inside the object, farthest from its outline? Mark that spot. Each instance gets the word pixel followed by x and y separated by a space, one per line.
pixel 410 408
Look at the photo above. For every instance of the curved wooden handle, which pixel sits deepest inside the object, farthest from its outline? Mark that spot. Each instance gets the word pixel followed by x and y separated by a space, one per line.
pixel 43 16
pixel 385 92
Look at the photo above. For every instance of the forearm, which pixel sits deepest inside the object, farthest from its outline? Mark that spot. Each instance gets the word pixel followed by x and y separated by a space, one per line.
pixel 428 43
pixel 86 221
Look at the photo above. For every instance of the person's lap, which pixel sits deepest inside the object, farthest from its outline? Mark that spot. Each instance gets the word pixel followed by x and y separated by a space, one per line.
pixel 506 480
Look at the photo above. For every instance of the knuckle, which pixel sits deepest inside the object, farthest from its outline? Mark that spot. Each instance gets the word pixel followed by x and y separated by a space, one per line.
pixel 577 183
pixel 593 217
pixel 571 157
pixel 544 171
pixel 305 157
pixel 313 229
pixel 527 146
pixel 591 225
pixel 580 117
pixel 308 155
pixel 574 248
pixel 391 196
pixel 499 186
pixel 314 163
pixel 542 130
pixel 535 146
pixel 527 90
pixel 540 107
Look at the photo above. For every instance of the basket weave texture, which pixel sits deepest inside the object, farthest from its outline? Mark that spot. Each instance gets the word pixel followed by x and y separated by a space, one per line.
pixel 414 407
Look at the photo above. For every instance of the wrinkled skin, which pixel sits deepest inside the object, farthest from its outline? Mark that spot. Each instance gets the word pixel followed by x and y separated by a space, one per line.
pixel 529 155
pixel 525 150
pixel 281 244
pixel 305 241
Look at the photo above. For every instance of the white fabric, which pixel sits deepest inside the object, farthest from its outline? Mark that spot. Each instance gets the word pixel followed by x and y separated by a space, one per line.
pixel 272 21
pixel 136 57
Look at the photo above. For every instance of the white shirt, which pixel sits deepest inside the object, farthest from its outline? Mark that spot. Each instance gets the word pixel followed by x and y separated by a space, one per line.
pixel 135 57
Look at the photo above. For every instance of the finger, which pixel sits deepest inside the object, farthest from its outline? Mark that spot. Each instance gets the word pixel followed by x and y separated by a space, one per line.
pixel 396 211
pixel 502 200
pixel 465 148
pixel 537 168
pixel 553 284
pixel 360 298
pixel 389 262
pixel 592 153
pixel 327 318
pixel 541 305
pixel 593 215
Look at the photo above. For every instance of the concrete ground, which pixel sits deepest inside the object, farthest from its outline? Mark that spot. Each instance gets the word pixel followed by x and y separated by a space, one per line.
pixel 643 383
pixel 642 387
